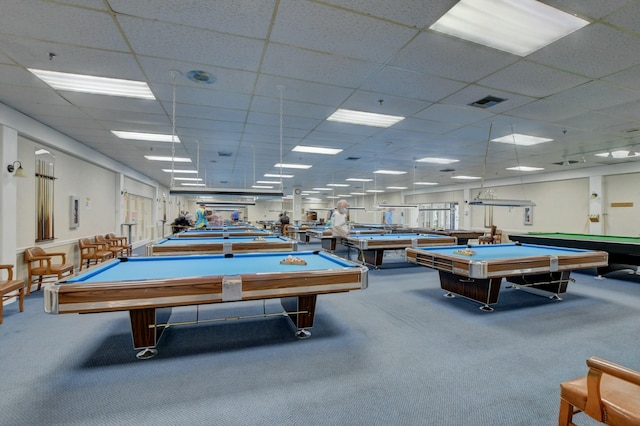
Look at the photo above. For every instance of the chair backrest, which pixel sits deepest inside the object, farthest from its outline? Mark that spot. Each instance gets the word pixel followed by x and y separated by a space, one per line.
pixel 32 252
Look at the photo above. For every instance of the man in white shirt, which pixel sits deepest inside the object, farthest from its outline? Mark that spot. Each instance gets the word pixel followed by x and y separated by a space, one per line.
pixel 339 226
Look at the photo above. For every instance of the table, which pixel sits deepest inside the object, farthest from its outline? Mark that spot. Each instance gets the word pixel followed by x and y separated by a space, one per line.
pixel 147 287
pixel 372 246
pixel 179 246
pixel 204 233
pixel 478 277
pixel 463 235
pixel 328 241
pixel 624 252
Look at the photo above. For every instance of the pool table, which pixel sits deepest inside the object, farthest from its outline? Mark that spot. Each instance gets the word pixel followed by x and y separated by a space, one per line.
pixel 624 252
pixel 478 274
pixel 178 246
pixel 328 241
pixel 204 233
pixel 147 287
pixel 371 247
pixel 462 235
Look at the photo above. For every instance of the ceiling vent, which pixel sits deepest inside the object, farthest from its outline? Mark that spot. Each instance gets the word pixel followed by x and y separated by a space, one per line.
pixel 352 158
pixel 487 102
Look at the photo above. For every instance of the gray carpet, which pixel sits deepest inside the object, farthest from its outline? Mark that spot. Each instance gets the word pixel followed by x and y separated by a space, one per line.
pixel 398 353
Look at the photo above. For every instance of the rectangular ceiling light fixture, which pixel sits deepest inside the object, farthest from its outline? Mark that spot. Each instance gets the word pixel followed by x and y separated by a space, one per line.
pixel 521 140
pixel 193 172
pixel 138 136
pixel 291 166
pixel 167 158
pixel 358 180
pixel 436 160
pixel 94 85
pixel 316 150
pixel 525 168
pixel 389 172
pixel 518 27
pixel 364 118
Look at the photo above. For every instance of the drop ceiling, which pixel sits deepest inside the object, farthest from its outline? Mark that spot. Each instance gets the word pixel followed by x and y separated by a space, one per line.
pixel 281 67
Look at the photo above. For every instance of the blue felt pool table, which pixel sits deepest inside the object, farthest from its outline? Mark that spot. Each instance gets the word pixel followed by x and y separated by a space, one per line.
pixel 220 245
pixel 147 287
pixel 476 272
pixel 216 233
pixel 371 247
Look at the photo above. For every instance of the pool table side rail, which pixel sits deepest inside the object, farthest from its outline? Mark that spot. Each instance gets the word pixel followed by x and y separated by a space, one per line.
pixel 505 267
pixel 125 295
pixel 217 248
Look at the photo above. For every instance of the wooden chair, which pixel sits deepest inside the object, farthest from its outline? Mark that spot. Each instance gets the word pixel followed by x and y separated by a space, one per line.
pixel 609 393
pixel 115 249
pixel 92 253
pixel 9 286
pixel 491 238
pixel 39 263
pixel 120 241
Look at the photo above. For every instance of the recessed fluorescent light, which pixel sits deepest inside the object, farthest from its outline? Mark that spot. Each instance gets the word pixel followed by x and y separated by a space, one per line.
pixel 262 186
pixel 522 140
pixel 616 154
pixel 272 182
pixel 161 158
pixel 375 190
pixel 322 189
pixel 194 184
pixel 180 171
pixel 519 27
pixel 95 85
pixel 364 118
pixel 278 176
pixel 437 160
pixel 396 187
pixel 525 168
pixel 462 177
pixel 145 136
pixel 390 172
pixel 188 179
pixel 425 183
pixel 359 180
pixel 340 185
pixel 316 150
pixel 292 166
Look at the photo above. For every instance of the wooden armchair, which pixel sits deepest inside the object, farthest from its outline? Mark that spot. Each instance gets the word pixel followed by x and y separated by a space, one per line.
pixel 39 263
pixel 9 286
pixel 92 253
pixel 120 241
pixel 111 246
pixel 609 393
pixel 492 238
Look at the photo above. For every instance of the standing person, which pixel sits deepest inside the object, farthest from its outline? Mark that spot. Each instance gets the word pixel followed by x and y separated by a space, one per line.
pixel 201 217
pixel 339 225
pixel 388 217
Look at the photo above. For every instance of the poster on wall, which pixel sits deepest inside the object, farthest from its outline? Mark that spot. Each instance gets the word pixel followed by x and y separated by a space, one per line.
pixel 528 216
pixel 74 212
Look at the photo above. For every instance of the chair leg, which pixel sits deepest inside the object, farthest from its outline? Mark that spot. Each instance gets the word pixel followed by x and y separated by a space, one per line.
pixel 566 414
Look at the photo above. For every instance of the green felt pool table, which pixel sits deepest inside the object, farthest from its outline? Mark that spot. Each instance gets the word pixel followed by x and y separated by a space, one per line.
pixel 624 252
pixel 147 287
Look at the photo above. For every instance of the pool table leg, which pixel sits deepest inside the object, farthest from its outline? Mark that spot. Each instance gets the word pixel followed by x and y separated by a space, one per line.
pixel 144 332
pixel 301 311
